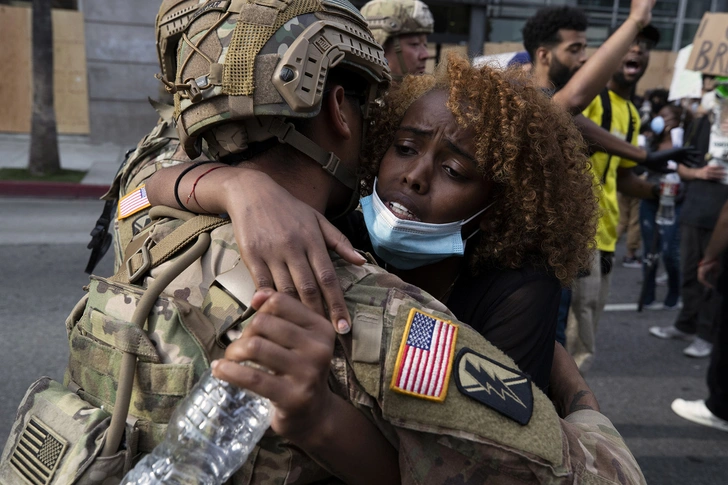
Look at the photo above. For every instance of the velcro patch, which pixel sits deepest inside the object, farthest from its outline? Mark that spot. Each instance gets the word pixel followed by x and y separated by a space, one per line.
pixel 506 390
pixel 424 360
pixel 133 202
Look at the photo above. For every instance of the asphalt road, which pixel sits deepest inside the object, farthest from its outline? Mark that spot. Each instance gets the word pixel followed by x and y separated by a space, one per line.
pixel 635 376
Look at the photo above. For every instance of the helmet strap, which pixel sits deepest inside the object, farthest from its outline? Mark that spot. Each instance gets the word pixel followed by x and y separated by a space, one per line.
pixel 400 57
pixel 287 133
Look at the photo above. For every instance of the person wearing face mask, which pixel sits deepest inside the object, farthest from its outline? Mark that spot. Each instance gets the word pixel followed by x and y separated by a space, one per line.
pixel 705 194
pixel 468 203
pixel 668 122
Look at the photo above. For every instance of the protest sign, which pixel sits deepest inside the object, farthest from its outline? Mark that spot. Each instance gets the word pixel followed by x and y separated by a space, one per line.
pixel 710 46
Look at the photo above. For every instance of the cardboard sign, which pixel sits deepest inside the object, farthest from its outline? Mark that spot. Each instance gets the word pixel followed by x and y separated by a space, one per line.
pixel 710 46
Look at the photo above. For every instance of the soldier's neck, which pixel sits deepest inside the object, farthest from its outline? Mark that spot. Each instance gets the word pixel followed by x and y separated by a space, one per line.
pixel 310 185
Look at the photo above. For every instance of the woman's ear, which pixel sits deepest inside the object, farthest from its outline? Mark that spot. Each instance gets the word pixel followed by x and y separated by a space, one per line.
pixel 339 112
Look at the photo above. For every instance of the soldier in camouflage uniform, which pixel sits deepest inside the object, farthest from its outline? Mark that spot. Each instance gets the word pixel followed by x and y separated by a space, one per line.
pixel 491 426
pixel 160 148
pixel 459 438
pixel 401 27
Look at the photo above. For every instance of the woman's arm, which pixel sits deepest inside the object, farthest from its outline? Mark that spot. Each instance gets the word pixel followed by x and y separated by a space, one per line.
pixel 285 241
pixel 297 345
pixel 567 388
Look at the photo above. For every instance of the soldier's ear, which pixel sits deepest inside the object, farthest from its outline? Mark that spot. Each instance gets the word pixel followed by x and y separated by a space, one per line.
pixel 339 112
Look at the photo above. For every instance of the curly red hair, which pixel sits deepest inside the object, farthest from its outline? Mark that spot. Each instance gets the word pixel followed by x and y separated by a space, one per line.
pixel 545 210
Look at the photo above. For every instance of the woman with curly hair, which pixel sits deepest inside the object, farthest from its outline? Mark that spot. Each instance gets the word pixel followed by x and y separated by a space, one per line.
pixel 482 198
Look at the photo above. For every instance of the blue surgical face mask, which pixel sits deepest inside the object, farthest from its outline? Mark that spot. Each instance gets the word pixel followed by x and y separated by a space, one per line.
pixel 410 244
pixel 657 125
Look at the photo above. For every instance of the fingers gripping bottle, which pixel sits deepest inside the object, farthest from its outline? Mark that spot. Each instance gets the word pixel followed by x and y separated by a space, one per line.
pixel 669 186
pixel 209 436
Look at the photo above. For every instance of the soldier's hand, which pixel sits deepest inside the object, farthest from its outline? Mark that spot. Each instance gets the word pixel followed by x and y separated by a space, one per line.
pixel 284 242
pixel 296 345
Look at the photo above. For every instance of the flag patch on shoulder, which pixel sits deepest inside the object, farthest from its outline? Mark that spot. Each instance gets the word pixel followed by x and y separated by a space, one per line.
pixel 133 202
pixel 424 360
pixel 502 388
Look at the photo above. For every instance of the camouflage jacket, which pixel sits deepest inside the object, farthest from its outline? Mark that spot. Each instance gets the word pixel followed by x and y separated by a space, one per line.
pixel 158 149
pixel 457 440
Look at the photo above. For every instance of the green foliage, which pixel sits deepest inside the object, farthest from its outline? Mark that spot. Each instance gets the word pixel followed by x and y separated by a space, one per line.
pixel 65 175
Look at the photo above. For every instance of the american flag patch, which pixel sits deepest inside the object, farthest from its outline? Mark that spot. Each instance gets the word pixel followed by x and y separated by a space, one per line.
pixel 38 453
pixel 133 202
pixel 425 357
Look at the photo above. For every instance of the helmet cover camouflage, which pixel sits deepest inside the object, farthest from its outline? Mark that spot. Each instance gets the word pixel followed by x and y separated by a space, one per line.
pixel 243 66
pixel 172 19
pixel 390 18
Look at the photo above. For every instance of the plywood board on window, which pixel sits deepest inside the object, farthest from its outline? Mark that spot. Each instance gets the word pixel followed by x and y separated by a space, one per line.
pixel 70 80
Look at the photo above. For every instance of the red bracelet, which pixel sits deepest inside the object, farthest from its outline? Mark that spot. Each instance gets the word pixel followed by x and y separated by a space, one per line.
pixel 194 186
pixel 703 262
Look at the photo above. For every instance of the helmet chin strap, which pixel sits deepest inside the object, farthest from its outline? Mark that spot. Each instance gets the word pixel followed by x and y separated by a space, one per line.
pixel 287 133
pixel 400 58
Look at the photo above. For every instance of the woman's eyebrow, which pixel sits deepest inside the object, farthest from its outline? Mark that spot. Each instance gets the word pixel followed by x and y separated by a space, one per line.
pixel 452 146
pixel 415 131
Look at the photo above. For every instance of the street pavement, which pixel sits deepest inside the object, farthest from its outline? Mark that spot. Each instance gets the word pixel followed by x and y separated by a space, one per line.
pixel 635 376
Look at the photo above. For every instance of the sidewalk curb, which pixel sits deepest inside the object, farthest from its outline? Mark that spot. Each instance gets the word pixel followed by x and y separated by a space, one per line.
pixel 51 190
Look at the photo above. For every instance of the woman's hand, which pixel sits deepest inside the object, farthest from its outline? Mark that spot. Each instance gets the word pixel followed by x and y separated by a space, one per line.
pixel 284 242
pixel 296 345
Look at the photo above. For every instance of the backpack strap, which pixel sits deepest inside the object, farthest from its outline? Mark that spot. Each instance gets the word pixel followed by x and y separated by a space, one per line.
pixel 606 110
pixel 196 227
pixel 148 256
pixel 630 129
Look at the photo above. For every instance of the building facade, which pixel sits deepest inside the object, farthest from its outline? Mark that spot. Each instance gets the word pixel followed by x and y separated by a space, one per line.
pixel 121 57
pixel 474 22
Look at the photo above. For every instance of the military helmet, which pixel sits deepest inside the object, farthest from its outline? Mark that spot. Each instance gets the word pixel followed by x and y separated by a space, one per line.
pixel 392 18
pixel 245 66
pixel 172 20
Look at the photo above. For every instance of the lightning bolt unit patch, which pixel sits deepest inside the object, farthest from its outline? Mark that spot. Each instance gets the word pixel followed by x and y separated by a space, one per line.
pixel 424 361
pixel 504 389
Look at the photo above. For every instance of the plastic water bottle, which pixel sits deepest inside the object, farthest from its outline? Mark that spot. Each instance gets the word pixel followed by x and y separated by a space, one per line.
pixel 210 435
pixel 718 147
pixel 668 190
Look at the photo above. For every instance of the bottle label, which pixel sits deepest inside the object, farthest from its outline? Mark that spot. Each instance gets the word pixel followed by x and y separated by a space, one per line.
pixel 719 130
pixel 668 189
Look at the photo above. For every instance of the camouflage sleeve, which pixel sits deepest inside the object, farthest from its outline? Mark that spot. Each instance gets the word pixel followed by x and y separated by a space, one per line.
pixel 159 149
pixel 598 448
pixel 490 425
